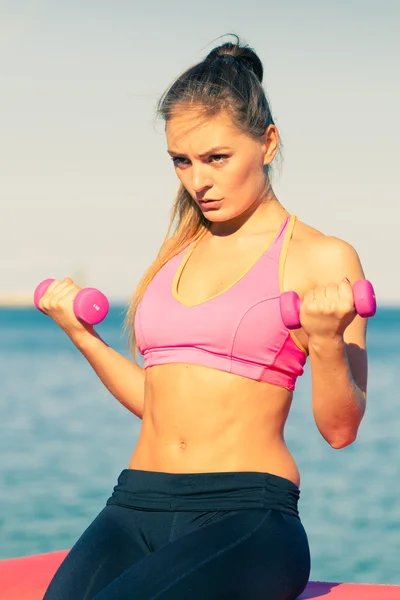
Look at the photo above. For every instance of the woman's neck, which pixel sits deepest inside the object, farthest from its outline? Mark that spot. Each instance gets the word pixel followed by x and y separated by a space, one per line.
pixel 268 212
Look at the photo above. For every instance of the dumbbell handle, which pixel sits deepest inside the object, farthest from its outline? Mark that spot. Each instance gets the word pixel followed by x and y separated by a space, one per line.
pixel 364 303
pixel 90 305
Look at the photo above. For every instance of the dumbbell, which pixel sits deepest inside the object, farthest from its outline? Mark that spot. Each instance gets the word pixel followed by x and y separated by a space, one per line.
pixel 90 305
pixel 364 303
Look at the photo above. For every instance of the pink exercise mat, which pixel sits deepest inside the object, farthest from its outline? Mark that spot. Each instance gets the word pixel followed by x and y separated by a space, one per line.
pixel 27 579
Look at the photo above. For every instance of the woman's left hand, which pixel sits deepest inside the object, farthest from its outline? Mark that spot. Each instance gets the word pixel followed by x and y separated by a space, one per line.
pixel 326 311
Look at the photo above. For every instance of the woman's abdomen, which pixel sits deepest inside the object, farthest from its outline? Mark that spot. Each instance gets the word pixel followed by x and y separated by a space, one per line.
pixel 198 419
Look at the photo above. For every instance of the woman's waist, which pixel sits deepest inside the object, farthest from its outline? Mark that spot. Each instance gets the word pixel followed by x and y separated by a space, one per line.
pixel 219 437
pixel 215 434
pixel 213 454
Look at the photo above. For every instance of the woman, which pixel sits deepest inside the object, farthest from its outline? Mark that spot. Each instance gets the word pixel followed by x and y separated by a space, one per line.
pixel 207 507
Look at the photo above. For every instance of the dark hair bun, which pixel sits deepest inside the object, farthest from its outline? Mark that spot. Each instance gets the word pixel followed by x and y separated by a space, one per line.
pixel 242 53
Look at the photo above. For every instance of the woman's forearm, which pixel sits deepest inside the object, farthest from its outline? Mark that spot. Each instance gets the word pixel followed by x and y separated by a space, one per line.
pixel 123 379
pixel 338 403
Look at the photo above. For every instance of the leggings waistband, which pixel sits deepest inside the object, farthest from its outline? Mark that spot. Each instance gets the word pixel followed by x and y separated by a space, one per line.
pixel 153 490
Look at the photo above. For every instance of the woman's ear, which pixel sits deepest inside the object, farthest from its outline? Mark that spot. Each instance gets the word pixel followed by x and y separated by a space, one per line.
pixel 270 143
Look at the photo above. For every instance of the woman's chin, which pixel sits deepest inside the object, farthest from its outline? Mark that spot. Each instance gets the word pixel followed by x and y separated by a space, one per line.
pixel 220 215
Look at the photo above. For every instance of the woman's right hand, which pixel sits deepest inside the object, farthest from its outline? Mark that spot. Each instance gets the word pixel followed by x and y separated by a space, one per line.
pixel 57 302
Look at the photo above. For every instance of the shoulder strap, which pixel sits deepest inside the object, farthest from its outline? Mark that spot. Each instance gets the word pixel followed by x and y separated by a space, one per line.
pixel 284 248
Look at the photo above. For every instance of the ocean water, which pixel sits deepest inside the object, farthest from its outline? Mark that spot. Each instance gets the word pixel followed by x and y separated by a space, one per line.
pixel 64 440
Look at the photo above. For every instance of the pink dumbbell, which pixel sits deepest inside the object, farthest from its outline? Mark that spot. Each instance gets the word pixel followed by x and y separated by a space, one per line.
pixel 90 305
pixel 364 303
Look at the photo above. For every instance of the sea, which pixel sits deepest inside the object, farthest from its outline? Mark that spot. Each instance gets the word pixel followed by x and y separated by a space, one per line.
pixel 64 440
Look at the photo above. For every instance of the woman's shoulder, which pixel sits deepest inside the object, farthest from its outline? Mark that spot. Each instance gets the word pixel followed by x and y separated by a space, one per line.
pixel 327 258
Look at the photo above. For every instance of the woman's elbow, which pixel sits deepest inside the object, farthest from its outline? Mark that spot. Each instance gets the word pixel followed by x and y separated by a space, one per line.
pixel 342 437
pixel 342 442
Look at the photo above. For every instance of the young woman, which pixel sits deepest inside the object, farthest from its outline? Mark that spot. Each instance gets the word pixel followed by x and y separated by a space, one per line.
pixel 208 506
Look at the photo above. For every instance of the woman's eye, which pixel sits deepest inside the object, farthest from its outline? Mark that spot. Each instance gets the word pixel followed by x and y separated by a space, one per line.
pixel 218 157
pixel 177 160
pixel 180 161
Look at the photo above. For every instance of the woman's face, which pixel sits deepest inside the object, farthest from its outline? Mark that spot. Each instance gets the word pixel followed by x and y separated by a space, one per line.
pixel 221 167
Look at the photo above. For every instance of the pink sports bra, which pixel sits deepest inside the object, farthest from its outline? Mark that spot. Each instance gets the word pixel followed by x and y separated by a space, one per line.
pixel 239 330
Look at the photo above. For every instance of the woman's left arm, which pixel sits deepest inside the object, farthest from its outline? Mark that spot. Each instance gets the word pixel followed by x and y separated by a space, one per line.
pixel 336 342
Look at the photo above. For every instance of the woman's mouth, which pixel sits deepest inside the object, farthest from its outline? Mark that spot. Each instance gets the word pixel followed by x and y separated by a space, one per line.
pixel 209 204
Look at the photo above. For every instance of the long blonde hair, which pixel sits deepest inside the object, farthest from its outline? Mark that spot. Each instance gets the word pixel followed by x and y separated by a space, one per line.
pixel 230 79
pixel 187 224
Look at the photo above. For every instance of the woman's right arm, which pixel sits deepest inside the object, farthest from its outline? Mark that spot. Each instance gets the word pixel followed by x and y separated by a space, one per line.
pixel 123 379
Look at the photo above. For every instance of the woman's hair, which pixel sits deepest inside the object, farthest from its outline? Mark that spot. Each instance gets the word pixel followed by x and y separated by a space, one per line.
pixel 229 79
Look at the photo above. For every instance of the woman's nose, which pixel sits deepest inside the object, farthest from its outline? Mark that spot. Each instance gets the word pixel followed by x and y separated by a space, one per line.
pixel 200 179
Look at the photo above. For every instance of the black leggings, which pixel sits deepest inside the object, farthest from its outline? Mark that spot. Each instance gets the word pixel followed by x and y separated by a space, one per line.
pixel 201 536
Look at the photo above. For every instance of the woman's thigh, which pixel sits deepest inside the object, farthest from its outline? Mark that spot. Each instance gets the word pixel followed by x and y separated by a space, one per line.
pixel 111 544
pixel 255 554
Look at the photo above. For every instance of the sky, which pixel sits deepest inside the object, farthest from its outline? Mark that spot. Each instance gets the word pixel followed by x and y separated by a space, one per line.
pixel 86 184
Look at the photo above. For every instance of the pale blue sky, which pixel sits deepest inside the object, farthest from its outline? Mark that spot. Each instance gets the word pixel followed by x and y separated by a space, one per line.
pixel 86 182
